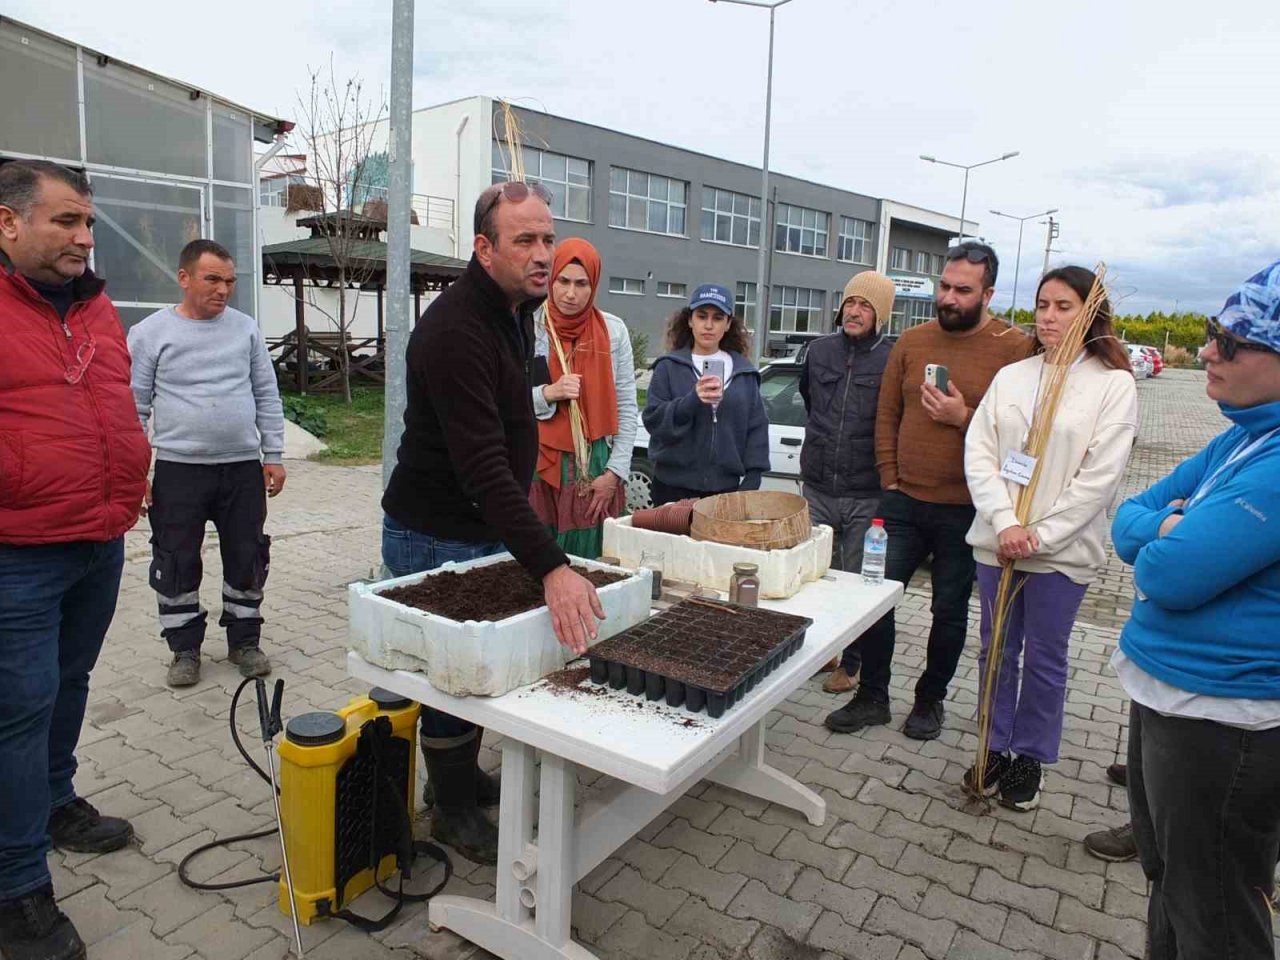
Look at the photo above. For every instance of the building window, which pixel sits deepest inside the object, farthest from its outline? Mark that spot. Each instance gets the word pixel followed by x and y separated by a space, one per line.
pixel 626 285
pixel 922 262
pixel 854 243
pixel 744 303
pixel 939 261
pixel 568 178
pixel 900 259
pixel 729 217
pixel 910 312
pixel 795 309
pixel 646 201
pixel 668 289
pixel 801 230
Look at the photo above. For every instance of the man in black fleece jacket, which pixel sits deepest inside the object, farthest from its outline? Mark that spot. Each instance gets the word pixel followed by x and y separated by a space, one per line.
pixel 460 489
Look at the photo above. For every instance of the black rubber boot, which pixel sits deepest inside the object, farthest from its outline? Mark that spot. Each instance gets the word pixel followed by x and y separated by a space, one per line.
pixel 488 791
pixel 33 928
pixel 456 820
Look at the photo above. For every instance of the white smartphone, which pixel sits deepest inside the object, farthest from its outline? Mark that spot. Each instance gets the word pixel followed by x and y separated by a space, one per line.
pixel 935 374
pixel 713 368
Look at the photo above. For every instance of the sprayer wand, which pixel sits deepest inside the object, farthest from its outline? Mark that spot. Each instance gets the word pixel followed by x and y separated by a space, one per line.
pixel 269 720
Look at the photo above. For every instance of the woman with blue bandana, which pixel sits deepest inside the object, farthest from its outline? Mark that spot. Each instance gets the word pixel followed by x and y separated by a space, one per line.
pixel 1200 657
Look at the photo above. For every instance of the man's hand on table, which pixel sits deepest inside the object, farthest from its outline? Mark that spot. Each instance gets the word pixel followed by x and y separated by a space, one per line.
pixel 574 607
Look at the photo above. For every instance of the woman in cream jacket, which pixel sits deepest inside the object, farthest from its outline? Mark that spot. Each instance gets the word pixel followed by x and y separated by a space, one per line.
pixel 1056 555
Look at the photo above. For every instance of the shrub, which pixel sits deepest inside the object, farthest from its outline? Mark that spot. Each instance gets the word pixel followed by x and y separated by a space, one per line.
pixel 305 414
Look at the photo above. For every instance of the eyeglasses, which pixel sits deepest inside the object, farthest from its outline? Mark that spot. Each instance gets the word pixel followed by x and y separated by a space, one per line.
pixel 84 357
pixel 515 191
pixel 1226 343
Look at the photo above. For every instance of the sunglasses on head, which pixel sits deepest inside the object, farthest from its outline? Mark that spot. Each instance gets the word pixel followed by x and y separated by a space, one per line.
pixel 973 252
pixel 515 191
pixel 1226 343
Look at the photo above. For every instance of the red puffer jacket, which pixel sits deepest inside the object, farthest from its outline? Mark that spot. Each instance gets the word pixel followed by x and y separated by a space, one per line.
pixel 73 457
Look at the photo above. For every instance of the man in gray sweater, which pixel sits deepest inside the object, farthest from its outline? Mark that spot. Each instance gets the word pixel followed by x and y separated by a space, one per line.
pixel 202 370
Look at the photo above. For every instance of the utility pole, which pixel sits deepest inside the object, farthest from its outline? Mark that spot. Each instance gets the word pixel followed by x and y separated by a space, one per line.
pixel 1051 235
pixel 398 213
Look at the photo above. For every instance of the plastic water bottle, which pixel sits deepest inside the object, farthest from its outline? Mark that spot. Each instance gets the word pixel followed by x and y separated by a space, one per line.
pixel 875 548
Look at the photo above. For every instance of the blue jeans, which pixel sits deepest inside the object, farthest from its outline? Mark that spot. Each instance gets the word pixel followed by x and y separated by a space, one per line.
pixel 58 602
pixel 406 551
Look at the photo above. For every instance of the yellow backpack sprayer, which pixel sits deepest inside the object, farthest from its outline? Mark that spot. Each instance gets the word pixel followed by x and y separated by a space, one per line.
pixel 344 806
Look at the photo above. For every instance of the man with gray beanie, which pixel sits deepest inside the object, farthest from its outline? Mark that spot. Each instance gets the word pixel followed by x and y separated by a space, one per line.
pixel 840 385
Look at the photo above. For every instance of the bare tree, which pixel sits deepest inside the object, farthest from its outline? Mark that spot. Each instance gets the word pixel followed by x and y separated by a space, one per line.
pixel 338 125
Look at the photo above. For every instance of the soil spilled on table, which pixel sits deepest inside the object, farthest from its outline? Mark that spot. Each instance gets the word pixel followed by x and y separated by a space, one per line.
pixel 574 683
pixel 493 592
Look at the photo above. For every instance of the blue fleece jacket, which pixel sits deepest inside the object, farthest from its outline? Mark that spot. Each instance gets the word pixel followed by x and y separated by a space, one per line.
pixel 686 447
pixel 1210 620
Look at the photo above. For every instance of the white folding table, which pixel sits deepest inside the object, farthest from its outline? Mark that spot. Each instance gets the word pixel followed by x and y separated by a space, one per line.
pixel 650 754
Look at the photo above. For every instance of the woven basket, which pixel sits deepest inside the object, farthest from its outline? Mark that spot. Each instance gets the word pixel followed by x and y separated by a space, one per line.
pixel 760 519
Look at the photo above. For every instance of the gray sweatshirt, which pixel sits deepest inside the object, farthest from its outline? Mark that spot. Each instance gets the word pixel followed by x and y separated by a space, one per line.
pixel 210 385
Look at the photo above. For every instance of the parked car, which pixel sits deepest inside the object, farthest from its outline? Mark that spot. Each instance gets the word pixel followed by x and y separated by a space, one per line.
pixel 1157 361
pixel 1138 359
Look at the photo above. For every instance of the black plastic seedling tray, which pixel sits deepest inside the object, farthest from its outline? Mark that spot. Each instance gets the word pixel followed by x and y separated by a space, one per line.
pixel 703 654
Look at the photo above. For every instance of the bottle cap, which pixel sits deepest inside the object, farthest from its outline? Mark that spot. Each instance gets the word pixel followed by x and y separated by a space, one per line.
pixel 315 729
pixel 877 522
pixel 747 569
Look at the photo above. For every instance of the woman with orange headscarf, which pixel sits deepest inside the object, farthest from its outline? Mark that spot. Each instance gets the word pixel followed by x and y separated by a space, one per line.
pixel 587 409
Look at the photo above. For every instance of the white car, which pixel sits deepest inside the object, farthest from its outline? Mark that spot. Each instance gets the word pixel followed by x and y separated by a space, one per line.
pixel 1138 359
pixel 780 388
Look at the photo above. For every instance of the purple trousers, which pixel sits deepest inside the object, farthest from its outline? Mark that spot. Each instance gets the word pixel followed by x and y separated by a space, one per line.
pixel 1028 715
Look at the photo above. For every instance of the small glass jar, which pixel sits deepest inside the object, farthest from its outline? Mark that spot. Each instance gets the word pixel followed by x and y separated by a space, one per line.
pixel 654 561
pixel 744 585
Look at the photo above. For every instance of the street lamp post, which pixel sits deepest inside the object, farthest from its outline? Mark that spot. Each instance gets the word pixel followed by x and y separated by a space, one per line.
pixel 1013 309
pixel 762 297
pixel 964 199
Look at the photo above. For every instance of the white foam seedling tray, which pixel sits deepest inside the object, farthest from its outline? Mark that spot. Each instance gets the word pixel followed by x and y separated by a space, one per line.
pixel 710 564
pixel 479 658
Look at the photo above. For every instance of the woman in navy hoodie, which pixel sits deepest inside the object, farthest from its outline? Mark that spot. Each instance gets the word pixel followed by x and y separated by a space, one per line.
pixel 708 432
pixel 1200 656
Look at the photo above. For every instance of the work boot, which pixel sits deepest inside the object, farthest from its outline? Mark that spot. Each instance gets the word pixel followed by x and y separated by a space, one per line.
pixel 33 928
pixel 1118 773
pixel 488 791
pixel 861 711
pixel 456 820
pixel 79 827
pixel 1115 845
pixel 838 682
pixel 185 669
pixel 925 720
pixel 251 661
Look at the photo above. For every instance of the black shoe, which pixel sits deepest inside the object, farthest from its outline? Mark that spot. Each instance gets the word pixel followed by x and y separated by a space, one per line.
pixel 925 720
pixel 79 827
pixel 1020 786
pixel 1115 845
pixel 456 819
pixel 33 928
pixel 1118 773
pixel 488 791
pixel 858 713
pixel 997 764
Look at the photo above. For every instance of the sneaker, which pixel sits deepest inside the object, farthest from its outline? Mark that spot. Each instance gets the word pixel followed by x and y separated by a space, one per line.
pixel 33 928
pixel 1118 773
pixel 997 765
pixel 859 712
pixel 79 827
pixel 925 720
pixel 1020 785
pixel 251 661
pixel 838 682
pixel 1115 845
pixel 185 669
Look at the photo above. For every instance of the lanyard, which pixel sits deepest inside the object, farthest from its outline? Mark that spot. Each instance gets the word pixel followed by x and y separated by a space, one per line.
pixel 1242 452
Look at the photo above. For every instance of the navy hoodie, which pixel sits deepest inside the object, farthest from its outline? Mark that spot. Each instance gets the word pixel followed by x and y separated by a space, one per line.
pixel 688 449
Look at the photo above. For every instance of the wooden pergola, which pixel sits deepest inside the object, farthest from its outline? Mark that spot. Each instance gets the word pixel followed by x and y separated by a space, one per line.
pixel 310 262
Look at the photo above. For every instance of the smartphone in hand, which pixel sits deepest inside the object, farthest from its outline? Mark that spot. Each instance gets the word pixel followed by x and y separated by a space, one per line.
pixel 935 374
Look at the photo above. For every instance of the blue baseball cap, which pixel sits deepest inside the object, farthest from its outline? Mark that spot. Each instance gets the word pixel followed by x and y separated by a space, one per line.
pixel 712 295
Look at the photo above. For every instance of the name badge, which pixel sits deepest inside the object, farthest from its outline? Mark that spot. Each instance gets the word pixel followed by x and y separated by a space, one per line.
pixel 1018 467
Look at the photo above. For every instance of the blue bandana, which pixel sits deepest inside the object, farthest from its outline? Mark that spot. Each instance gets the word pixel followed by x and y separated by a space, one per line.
pixel 1253 311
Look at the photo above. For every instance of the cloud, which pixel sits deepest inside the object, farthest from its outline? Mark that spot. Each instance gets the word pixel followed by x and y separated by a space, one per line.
pixel 1186 181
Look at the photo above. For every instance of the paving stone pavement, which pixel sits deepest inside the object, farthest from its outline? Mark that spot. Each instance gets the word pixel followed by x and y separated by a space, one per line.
pixel 903 868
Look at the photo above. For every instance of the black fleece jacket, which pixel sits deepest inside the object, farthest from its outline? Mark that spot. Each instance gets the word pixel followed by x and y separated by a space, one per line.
pixel 470 443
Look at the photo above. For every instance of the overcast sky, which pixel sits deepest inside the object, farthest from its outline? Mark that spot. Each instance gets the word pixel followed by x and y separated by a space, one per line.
pixel 1153 125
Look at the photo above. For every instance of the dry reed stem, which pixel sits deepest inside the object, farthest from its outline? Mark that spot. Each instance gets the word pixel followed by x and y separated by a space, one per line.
pixel 1057 366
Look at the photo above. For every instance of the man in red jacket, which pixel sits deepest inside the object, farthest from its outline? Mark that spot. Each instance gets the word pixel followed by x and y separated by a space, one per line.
pixel 73 468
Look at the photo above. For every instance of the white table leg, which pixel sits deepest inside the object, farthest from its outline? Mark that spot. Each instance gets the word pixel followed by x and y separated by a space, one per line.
pixel 748 773
pixel 515 826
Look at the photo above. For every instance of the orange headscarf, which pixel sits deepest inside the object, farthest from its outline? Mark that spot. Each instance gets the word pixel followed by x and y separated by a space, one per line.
pixel 585 341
